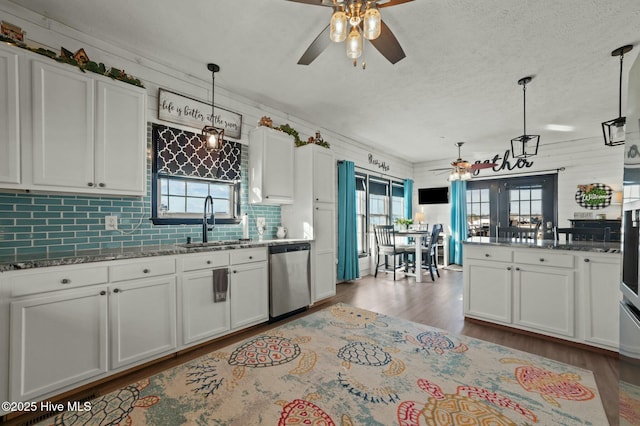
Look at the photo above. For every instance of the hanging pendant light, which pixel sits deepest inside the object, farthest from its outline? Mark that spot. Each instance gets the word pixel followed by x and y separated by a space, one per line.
pixel 213 137
pixel 614 130
pixel 525 145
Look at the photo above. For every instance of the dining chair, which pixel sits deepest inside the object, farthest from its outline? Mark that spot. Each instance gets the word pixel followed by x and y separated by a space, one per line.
pixel 386 246
pixel 430 255
pixel 519 233
pixel 570 235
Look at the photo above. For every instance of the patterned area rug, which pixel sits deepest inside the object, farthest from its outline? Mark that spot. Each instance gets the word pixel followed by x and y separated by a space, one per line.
pixel 348 366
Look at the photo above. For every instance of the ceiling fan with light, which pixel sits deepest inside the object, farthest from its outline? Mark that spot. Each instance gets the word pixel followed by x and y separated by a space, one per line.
pixel 462 169
pixel 353 20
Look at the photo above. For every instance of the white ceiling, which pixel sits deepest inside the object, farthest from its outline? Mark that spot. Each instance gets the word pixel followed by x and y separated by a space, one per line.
pixel 457 83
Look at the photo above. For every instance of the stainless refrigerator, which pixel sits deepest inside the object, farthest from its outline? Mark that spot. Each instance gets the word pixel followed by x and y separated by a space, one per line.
pixel 629 394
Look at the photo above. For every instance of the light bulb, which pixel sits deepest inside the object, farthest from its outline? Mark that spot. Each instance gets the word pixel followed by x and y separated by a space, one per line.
pixel 454 175
pixel 618 131
pixel 354 44
pixel 338 26
pixel 372 25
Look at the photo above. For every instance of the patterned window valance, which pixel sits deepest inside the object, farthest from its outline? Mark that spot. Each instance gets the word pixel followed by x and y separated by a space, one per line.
pixel 181 153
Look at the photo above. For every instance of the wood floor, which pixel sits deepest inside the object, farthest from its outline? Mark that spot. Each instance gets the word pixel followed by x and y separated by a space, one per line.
pixel 438 304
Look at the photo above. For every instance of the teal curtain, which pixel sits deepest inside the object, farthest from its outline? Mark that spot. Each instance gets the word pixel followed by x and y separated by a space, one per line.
pixel 348 268
pixel 458 220
pixel 408 198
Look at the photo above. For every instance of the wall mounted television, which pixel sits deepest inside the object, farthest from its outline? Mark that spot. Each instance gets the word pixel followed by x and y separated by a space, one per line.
pixel 433 195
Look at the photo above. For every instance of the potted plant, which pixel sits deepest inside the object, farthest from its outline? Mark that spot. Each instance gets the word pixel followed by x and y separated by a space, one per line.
pixel 404 223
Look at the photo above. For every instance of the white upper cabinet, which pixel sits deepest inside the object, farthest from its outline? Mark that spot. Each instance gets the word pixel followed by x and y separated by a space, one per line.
pixel 64 130
pixel 9 117
pixel 270 167
pixel 324 175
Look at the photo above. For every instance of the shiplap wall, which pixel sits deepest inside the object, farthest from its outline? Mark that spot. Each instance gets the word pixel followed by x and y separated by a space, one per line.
pixel 179 77
pixel 585 161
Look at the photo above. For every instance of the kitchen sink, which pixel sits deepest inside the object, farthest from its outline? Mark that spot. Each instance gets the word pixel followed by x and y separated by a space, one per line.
pixel 209 244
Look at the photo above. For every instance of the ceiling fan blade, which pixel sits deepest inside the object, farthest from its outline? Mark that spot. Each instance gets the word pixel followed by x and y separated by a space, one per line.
pixel 327 3
pixel 388 45
pixel 439 170
pixel 479 166
pixel 391 3
pixel 316 48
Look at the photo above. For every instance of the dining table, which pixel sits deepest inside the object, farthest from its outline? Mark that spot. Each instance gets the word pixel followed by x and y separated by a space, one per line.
pixel 418 236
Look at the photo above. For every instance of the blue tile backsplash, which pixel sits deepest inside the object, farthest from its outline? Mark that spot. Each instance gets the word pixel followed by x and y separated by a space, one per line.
pixel 37 223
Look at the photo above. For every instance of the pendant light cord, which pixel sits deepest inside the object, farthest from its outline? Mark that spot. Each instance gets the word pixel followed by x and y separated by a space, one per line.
pixel 620 87
pixel 213 94
pixel 524 107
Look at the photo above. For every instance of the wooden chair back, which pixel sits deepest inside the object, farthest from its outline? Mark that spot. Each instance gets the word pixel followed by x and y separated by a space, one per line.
pixel 569 235
pixel 518 232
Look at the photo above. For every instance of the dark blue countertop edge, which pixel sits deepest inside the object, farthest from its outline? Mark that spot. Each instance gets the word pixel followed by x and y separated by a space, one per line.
pixel 586 246
pixel 42 260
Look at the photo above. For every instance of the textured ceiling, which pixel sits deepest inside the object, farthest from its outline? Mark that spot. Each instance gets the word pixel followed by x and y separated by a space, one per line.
pixel 457 83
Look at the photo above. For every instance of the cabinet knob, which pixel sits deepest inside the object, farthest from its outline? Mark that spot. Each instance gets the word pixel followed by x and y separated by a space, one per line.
pixel 65 281
pixel 116 290
pixel 101 185
pixel 587 260
pixel 89 183
pixel 542 259
pixel 487 255
pixel 208 262
pixel 145 271
pixel 508 268
pixel 234 271
pixel 250 257
pixel 517 269
pixel 317 199
pixel 102 293
pixel 266 196
pixel 317 208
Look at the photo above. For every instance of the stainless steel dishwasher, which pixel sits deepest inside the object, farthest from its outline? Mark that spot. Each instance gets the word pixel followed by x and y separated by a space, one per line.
pixel 289 279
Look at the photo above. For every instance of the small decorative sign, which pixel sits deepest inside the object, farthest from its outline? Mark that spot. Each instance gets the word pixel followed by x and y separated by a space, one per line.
pixel 594 196
pixel 381 164
pixel 191 112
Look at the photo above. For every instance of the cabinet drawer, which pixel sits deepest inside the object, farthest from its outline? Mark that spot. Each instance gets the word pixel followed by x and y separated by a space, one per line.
pixel 544 258
pixel 56 278
pixel 498 254
pixel 248 255
pixel 213 259
pixel 142 269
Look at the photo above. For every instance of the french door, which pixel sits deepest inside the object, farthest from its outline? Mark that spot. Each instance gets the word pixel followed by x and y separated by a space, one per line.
pixel 521 201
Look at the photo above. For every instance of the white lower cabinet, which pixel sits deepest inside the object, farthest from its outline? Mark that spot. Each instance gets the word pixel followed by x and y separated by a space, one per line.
pixel 58 339
pixel 544 299
pixel 569 295
pixel 600 291
pixel 249 293
pixel 202 316
pixel 142 320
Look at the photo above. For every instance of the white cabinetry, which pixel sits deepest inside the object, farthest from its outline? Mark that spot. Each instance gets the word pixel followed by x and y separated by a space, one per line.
pixel 9 117
pixel 600 280
pixel 96 142
pixel 313 214
pixel 249 287
pixel 62 130
pixel 270 166
pixel 202 317
pixel 568 295
pixel 57 340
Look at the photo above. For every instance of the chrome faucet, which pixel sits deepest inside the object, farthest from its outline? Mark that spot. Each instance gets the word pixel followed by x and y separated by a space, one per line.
pixel 205 228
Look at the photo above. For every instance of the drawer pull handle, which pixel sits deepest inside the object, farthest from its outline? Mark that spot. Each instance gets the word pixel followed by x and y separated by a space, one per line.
pixel 587 260
pixel 65 281
pixel 208 262
pixel 116 290
pixel 487 255
pixel 542 259
pixel 145 271
pixel 102 293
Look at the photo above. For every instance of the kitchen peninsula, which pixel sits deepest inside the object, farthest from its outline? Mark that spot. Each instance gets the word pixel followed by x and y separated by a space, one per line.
pixel 564 291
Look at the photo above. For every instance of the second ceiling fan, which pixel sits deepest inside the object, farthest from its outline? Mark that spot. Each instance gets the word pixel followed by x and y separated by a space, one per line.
pixel 353 20
pixel 461 169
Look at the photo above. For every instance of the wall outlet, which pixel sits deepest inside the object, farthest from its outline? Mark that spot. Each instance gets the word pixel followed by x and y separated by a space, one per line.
pixel 111 223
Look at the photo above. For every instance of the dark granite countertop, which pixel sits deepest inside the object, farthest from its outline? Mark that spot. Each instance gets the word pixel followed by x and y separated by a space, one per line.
pixel 31 261
pixel 587 246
